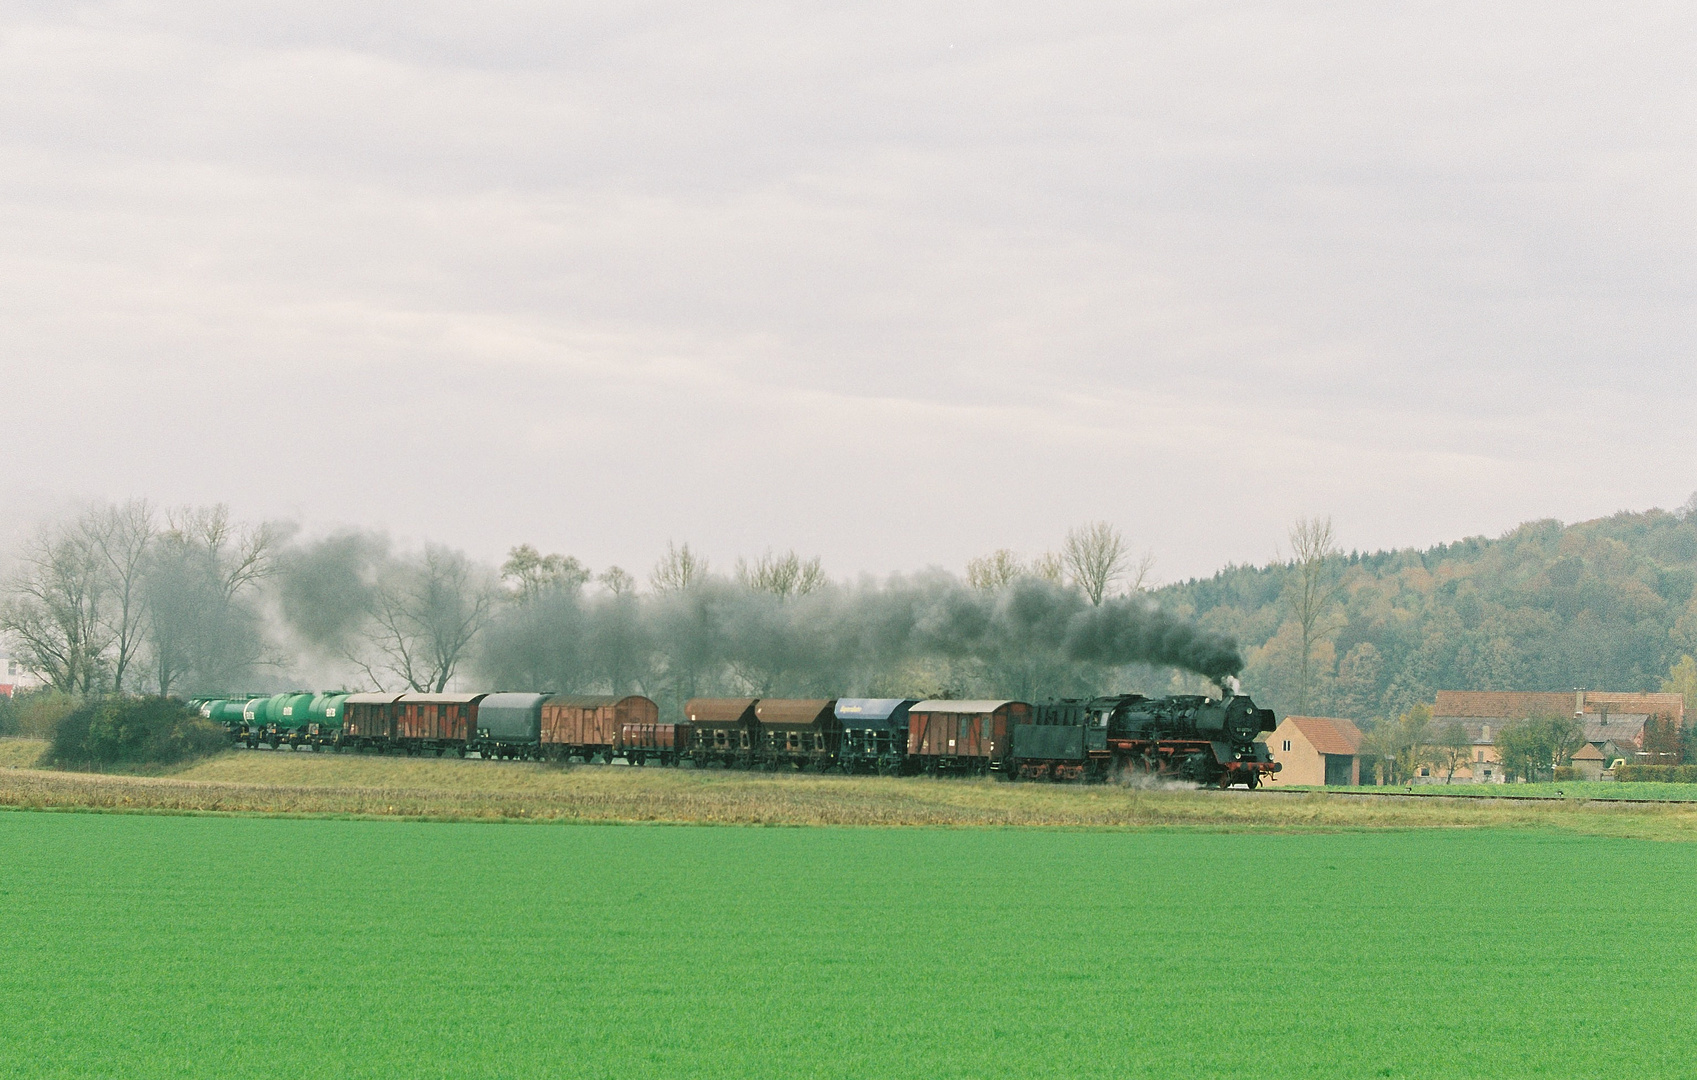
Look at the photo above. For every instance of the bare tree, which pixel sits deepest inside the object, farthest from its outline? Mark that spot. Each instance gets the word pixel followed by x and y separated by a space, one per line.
pixel 1314 591
pixel 425 614
pixel 53 608
pixel 783 575
pixel 678 569
pixel 1096 556
pixel 1049 567
pixel 996 570
pixel 200 627
pixel 617 580
pixel 240 556
pixel 530 573
pixel 124 537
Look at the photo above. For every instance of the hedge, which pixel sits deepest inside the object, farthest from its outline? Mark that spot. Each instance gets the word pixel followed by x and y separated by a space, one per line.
pixel 133 731
pixel 1662 774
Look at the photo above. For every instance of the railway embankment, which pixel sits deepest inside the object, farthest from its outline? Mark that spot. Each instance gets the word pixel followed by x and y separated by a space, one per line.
pixel 449 789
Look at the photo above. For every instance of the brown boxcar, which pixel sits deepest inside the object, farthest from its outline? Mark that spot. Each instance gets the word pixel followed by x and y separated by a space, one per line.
pixel 665 743
pixel 721 729
pixel 587 725
pixel 436 722
pixel 368 721
pixel 962 736
pixel 801 732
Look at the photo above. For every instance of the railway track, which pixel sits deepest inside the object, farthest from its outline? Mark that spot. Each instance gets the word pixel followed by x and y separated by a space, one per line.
pixel 1405 793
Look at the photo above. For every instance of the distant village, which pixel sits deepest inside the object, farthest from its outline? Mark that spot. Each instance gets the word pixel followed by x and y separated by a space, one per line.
pixel 1613 730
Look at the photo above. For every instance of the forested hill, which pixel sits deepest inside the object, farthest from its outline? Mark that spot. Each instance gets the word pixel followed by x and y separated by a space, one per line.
pixel 1605 604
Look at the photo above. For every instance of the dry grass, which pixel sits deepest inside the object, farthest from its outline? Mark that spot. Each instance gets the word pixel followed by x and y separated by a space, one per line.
pixel 450 789
pixel 21 753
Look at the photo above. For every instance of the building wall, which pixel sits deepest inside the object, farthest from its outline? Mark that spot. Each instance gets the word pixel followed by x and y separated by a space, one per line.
pixel 1302 763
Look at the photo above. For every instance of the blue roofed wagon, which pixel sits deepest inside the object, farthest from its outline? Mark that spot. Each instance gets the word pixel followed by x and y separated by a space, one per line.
pixel 874 734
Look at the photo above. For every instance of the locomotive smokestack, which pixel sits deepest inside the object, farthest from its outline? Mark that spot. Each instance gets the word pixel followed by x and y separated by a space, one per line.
pixel 1231 686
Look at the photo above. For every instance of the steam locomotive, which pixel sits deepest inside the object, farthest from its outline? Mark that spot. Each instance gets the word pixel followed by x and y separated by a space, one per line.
pixel 1211 741
pixel 1204 740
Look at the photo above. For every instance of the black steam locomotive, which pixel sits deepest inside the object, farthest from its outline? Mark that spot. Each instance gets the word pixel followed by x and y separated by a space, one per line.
pixel 1202 740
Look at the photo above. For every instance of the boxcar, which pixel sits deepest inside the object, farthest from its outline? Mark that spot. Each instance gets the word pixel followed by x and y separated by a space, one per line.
pixel 665 743
pixel 368 721
pixel 721 730
pixel 439 722
pixel 510 726
pixel 962 736
pixel 795 731
pixel 873 734
pixel 587 725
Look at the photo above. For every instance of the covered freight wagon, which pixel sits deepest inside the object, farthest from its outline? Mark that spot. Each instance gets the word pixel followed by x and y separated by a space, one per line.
pixel 587 725
pixel 721 729
pixel 510 726
pixel 873 734
pixel 963 736
pixel 439 722
pixel 368 720
pixel 796 731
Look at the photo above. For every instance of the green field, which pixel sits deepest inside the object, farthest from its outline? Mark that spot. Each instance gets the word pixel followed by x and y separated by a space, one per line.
pixel 155 946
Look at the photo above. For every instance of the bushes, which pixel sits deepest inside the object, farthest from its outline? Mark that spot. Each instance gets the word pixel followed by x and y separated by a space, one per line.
pixel 133 731
pixel 34 714
pixel 1661 774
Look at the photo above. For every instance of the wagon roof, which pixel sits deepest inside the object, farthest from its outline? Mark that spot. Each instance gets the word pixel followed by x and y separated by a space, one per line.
pixel 709 710
pixel 584 701
pixel 794 710
pixel 513 700
pixel 861 708
pixel 440 699
pixel 372 699
pixel 973 707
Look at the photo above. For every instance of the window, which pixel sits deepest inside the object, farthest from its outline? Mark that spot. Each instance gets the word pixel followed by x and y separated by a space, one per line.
pixel 1287 746
pixel 745 739
pixel 819 740
pixel 965 730
pixel 1478 755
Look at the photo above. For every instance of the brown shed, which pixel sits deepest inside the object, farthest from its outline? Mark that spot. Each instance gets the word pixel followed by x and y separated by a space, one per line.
pixel 796 731
pixel 721 729
pixel 587 725
pixel 368 718
pixel 436 720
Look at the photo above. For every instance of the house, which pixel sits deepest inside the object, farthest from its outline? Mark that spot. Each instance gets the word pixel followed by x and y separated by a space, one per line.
pixel 1617 725
pixel 1588 762
pixel 14 675
pixel 1316 750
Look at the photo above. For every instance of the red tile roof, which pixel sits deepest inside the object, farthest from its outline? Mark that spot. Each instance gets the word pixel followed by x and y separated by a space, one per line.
pixel 1329 734
pixel 1517 705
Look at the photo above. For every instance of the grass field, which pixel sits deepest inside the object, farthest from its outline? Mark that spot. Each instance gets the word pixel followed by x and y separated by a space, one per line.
pixel 227 947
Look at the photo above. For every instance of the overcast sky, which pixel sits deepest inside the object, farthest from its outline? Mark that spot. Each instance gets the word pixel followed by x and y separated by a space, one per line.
pixel 890 283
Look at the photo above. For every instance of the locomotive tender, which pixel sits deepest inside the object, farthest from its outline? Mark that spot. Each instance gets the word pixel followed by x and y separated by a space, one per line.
pixel 1203 740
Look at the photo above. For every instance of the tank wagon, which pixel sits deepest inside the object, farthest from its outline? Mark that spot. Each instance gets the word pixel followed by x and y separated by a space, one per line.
pixel 587 725
pixel 873 736
pixel 799 732
pixel 1203 740
pixel 963 736
pixel 721 730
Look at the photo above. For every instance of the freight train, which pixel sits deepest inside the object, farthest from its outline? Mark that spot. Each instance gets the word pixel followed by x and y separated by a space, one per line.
pixel 1204 740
